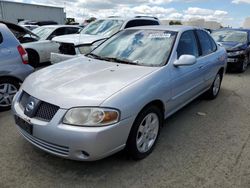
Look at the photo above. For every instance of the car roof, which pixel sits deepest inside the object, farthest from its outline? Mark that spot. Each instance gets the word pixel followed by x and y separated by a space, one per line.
pixel 233 29
pixel 129 18
pixel 168 28
pixel 58 26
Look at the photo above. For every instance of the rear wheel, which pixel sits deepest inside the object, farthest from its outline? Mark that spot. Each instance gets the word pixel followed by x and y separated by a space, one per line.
pixel 8 89
pixel 144 133
pixel 214 90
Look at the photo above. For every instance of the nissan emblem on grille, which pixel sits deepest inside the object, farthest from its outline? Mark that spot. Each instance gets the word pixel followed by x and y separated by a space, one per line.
pixel 31 107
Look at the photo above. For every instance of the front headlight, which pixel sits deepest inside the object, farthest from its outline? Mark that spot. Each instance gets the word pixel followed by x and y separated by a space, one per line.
pixel 91 116
pixel 85 49
pixel 236 53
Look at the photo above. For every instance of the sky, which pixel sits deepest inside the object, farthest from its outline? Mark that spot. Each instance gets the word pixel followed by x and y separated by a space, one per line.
pixel 228 12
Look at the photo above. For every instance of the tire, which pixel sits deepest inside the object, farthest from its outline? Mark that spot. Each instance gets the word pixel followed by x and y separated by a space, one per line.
pixel 214 90
pixel 8 89
pixel 143 136
pixel 33 58
pixel 243 65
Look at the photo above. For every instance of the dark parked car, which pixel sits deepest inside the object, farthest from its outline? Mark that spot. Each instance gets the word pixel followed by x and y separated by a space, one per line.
pixel 14 66
pixel 237 44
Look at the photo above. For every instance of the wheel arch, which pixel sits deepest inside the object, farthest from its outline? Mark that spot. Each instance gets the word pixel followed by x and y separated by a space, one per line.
pixel 32 51
pixel 11 77
pixel 158 103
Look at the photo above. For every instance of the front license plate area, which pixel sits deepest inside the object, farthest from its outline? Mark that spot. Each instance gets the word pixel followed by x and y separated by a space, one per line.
pixel 231 60
pixel 24 125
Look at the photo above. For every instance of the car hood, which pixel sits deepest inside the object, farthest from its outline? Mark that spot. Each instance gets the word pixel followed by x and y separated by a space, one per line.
pixel 233 46
pixel 78 39
pixel 82 81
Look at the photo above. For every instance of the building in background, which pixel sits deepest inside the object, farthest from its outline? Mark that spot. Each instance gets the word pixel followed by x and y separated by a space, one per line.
pixel 196 22
pixel 15 11
pixel 246 23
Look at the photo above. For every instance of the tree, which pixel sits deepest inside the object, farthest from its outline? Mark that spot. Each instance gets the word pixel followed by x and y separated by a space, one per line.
pixel 175 22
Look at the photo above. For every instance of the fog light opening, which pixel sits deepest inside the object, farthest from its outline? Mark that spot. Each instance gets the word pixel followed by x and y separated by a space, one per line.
pixel 85 153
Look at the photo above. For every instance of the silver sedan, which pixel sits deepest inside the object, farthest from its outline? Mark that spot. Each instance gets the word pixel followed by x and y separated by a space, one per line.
pixel 118 96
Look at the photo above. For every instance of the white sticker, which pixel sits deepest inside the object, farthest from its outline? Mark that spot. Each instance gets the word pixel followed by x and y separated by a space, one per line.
pixel 159 35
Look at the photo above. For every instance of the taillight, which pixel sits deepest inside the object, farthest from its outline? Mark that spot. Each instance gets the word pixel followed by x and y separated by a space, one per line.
pixel 23 54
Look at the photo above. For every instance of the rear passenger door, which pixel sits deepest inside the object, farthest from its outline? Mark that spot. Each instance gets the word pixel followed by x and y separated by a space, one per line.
pixel 208 58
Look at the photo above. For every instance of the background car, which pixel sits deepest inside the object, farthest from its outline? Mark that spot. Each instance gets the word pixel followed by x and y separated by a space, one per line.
pixel 38 42
pixel 118 96
pixel 39 51
pixel 23 34
pixel 30 27
pixel 38 23
pixel 237 44
pixel 94 34
pixel 14 66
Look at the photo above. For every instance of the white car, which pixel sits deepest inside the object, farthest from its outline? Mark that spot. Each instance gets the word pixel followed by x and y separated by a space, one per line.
pixel 39 51
pixel 94 34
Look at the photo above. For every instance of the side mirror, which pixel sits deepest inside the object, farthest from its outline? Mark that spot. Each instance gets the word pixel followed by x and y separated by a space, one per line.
pixel 185 60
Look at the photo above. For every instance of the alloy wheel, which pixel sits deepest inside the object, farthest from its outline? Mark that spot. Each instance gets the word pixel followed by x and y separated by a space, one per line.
pixel 147 132
pixel 7 93
pixel 216 87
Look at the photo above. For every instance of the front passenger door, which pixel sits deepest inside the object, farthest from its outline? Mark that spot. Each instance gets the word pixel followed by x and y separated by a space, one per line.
pixel 187 81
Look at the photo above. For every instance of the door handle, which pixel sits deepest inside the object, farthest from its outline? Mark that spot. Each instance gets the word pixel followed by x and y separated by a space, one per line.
pixel 201 66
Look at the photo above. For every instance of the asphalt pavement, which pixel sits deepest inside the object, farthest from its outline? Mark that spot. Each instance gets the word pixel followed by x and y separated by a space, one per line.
pixel 206 144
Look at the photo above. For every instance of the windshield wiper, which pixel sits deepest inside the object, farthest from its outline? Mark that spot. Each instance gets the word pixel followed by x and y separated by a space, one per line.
pixel 91 55
pixel 124 61
pixel 113 59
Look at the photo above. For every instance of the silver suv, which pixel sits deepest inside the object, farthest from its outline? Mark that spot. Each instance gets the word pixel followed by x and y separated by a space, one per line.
pixel 94 34
pixel 13 67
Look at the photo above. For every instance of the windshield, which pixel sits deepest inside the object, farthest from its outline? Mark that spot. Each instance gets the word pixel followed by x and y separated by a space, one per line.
pixel 43 32
pixel 230 36
pixel 140 47
pixel 103 27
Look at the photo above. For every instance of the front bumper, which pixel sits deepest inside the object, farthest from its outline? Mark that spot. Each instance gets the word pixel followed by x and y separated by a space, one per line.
pixel 235 60
pixel 74 142
pixel 57 57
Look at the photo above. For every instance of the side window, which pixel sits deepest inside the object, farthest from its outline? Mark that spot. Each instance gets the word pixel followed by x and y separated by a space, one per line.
pixel 59 31
pixel 1 38
pixel 187 44
pixel 72 30
pixel 207 44
pixel 133 23
pixel 136 23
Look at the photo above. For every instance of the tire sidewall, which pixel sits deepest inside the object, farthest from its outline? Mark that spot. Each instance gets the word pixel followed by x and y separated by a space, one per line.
pixel 131 145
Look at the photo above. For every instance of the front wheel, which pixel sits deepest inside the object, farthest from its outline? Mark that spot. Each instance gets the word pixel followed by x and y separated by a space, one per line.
pixel 243 65
pixel 144 133
pixel 214 90
pixel 8 89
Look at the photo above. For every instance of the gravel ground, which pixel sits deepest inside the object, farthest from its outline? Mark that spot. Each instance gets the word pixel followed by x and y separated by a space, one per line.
pixel 206 144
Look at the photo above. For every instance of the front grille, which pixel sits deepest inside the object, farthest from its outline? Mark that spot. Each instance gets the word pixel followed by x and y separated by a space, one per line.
pixel 52 148
pixel 45 111
pixel 67 48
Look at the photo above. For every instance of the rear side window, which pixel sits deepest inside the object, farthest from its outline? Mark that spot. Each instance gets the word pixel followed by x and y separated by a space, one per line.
pixel 59 31
pixel 188 44
pixel 136 23
pixel 72 30
pixel 1 38
pixel 206 42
